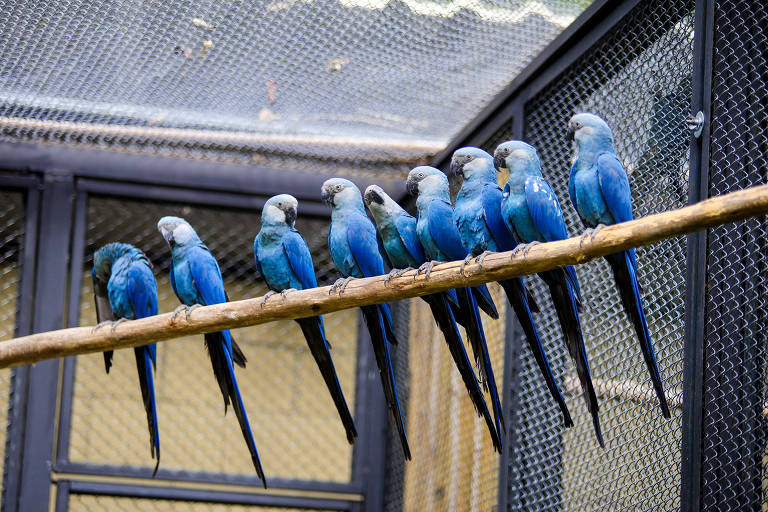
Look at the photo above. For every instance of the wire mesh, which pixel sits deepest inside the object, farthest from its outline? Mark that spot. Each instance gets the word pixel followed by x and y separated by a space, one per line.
pixel 454 466
pixel 734 456
pixel 89 503
pixel 284 82
pixel 11 244
pixel 639 79
pixel 296 428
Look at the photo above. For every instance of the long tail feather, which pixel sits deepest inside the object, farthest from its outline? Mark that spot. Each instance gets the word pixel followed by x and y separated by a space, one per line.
pixel 375 320
pixel 441 310
pixel 313 333
pixel 214 340
pixel 629 289
pixel 517 296
pixel 566 306
pixel 108 359
pixel 479 345
pixel 146 381
pixel 386 316
pixel 485 301
pixel 237 355
pixel 228 377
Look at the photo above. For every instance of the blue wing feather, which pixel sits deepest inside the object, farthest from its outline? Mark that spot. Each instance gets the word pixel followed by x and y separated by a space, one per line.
pixel 493 220
pixel 443 231
pixel 406 228
pixel 206 276
pixel 545 209
pixel 361 237
pixel 614 186
pixel 300 259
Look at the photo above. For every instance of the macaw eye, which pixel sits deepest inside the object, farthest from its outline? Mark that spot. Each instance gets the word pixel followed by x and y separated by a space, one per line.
pixel 468 158
pixel 420 175
pixel 338 188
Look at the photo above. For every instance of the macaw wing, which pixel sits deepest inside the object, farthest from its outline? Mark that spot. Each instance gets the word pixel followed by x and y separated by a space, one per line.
pixel 545 209
pixel 142 294
pixel 383 251
pixel 572 194
pixel 491 198
pixel 300 259
pixel 256 256
pixel 444 231
pixel 361 238
pixel 614 186
pixel 406 228
pixel 173 279
pixel 206 276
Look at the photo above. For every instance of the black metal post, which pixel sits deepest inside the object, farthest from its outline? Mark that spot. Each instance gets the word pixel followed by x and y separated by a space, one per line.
pixel 43 378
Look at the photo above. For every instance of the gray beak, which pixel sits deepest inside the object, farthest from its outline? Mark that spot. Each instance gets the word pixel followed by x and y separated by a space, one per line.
pixel 412 186
pixel 326 197
pixel 571 133
pixel 457 169
pixel 499 161
pixel 290 216
pixel 371 196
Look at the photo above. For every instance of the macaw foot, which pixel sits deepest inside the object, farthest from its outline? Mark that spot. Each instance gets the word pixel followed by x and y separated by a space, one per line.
pixel 590 232
pixel 426 268
pixel 287 291
pixel 115 324
pixel 102 324
pixel 396 272
pixel 266 298
pixel 340 285
pixel 482 257
pixel 524 248
pixel 464 263
pixel 186 309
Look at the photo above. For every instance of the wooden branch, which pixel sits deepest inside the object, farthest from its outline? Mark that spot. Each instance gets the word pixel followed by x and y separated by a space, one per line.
pixel 647 230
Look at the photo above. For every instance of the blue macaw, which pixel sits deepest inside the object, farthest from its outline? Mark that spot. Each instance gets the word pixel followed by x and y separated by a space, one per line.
pixel 478 217
pixel 284 261
pixel 354 248
pixel 531 211
pixel 196 280
pixel 401 244
pixel 442 242
pixel 124 288
pixel 599 190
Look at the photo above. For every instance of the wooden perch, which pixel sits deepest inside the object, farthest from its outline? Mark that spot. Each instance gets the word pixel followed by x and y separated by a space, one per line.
pixel 647 230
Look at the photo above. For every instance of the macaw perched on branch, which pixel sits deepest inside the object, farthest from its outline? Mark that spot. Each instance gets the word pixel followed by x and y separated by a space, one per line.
pixel 196 280
pixel 401 244
pixel 354 249
pixel 478 217
pixel 125 289
pixel 531 211
pixel 599 190
pixel 285 262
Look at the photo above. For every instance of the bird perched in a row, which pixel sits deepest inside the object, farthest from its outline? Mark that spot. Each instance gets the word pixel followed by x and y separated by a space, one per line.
pixel 284 261
pixel 125 288
pixel 398 232
pixel 354 249
pixel 196 280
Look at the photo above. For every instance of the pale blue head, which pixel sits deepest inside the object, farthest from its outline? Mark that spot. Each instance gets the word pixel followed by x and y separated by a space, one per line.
pixel 591 133
pixel 176 231
pixel 382 206
pixel 340 193
pixel 280 209
pixel 519 157
pixel 473 164
pixel 428 181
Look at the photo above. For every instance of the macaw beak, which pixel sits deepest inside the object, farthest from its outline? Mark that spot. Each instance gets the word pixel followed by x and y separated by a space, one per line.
pixel 499 162
pixel 372 196
pixel 412 186
pixel 290 216
pixel 167 235
pixel 326 197
pixel 457 169
pixel 571 133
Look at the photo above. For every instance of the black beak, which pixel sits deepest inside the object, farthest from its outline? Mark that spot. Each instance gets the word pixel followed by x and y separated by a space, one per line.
pixel 412 186
pixel 571 133
pixel 457 169
pixel 290 216
pixel 371 196
pixel 499 162
pixel 326 197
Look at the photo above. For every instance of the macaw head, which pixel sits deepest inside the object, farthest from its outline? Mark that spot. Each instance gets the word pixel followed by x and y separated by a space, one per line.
pixel 280 209
pixel 427 181
pixel 176 231
pixel 339 193
pixel 590 132
pixel 517 156
pixel 380 204
pixel 102 264
pixel 473 164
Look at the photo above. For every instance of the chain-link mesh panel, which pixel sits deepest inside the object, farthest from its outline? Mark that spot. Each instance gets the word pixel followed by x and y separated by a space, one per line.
pixel 11 244
pixel 294 80
pixel 295 424
pixel 88 503
pixel 639 79
pixel 454 466
pixel 734 473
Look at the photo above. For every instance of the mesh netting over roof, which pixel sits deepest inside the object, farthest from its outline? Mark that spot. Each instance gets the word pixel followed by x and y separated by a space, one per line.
pixel 403 75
